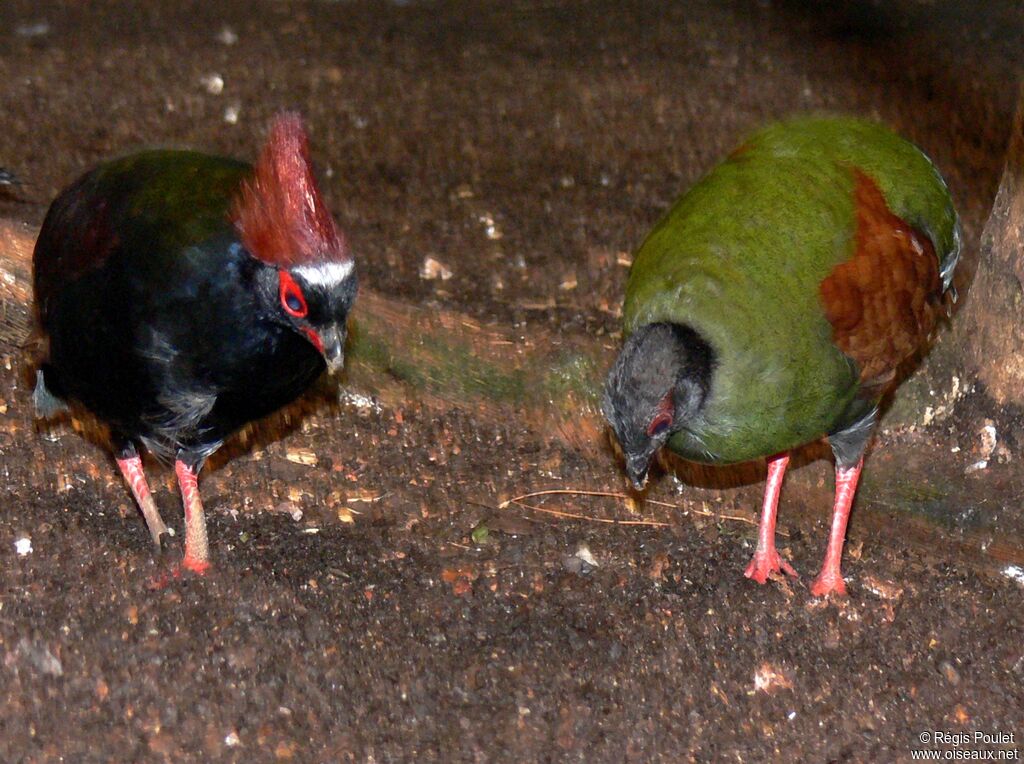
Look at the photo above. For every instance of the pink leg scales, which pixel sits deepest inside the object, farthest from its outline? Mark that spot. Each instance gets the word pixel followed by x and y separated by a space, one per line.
pixel 134 475
pixel 766 561
pixel 830 579
pixel 197 552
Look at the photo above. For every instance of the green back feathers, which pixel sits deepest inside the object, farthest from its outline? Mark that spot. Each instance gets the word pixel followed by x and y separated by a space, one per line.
pixel 913 187
pixel 166 199
pixel 740 258
pixel 147 207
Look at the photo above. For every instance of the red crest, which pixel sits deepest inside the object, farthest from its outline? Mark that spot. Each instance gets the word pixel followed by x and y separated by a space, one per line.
pixel 279 212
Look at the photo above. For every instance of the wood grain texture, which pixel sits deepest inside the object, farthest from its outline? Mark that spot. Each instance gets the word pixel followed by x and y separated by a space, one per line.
pixel 16 242
pixel 991 325
pixel 884 301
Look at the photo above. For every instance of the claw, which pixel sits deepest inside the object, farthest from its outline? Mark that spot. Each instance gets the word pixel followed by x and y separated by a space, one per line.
pixel 764 566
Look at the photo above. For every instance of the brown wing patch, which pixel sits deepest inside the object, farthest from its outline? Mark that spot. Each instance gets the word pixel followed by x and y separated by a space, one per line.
pixel 883 302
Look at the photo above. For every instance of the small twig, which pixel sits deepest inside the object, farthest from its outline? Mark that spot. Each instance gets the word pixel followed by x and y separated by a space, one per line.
pixel 562 491
pixel 737 518
pixel 612 495
pixel 574 516
pixel 366 499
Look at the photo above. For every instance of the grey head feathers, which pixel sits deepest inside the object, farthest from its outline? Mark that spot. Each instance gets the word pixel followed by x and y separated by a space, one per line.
pixel 659 381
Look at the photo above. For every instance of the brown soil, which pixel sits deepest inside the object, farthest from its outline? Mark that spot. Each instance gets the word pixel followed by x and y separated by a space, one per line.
pixel 405 616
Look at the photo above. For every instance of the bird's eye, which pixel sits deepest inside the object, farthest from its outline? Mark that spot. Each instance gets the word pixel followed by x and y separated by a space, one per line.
pixel 292 299
pixel 658 425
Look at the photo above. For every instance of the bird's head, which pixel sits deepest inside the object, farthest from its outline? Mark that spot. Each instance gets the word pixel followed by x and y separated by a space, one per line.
pixel 657 385
pixel 314 302
pixel 309 282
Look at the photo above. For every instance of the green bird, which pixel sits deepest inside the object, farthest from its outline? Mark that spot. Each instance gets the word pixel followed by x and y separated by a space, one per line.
pixel 773 304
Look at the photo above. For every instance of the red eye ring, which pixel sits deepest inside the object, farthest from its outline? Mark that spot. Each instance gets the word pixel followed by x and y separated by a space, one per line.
pixel 292 299
pixel 659 424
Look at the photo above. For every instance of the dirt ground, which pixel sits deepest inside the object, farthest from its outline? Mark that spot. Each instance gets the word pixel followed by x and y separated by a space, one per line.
pixel 371 599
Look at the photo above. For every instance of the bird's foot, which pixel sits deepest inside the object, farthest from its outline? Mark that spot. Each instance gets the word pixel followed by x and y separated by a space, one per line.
pixel 187 568
pixel 829 583
pixel 766 564
pixel 195 565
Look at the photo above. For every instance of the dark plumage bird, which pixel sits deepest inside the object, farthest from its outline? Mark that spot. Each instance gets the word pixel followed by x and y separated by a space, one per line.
pixel 183 295
pixel 773 303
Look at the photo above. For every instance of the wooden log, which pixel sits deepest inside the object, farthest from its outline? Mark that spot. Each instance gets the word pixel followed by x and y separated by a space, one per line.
pixel 992 322
pixel 16 242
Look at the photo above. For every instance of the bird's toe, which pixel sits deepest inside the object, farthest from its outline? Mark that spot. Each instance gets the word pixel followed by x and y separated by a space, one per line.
pixel 169 573
pixel 826 585
pixel 764 566
pixel 756 571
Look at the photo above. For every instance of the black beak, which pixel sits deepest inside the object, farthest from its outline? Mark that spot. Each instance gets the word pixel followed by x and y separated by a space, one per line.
pixel 636 468
pixel 333 340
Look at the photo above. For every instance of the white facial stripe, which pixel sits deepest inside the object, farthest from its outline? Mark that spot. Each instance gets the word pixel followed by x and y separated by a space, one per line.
pixel 326 274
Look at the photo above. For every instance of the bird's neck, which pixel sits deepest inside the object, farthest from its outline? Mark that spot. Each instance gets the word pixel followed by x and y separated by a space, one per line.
pixel 694 362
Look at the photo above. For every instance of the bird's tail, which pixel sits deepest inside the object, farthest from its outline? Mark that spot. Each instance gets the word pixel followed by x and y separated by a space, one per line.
pixel 47 404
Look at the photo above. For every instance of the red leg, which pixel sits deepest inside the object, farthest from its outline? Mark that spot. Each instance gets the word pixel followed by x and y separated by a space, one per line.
pixel 830 579
pixel 766 560
pixel 197 553
pixel 131 468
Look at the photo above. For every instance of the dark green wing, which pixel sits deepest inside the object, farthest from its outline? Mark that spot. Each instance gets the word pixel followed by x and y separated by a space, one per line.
pixel 148 205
